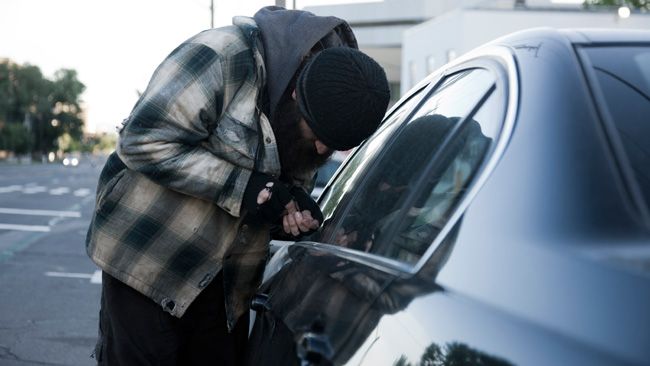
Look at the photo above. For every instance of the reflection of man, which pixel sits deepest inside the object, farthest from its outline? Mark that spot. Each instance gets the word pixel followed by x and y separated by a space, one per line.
pixel 405 157
pixel 424 144
pixel 185 206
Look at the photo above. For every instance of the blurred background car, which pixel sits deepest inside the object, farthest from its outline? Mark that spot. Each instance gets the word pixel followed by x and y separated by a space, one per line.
pixel 70 161
pixel 499 216
pixel 326 172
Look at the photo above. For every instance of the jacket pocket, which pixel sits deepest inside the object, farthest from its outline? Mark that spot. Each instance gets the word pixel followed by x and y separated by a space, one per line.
pixel 112 190
pixel 234 141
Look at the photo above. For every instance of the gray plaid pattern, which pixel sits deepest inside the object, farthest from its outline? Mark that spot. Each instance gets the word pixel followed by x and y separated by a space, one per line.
pixel 167 216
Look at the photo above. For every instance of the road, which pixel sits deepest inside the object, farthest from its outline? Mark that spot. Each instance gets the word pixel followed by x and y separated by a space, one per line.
pixel 49 289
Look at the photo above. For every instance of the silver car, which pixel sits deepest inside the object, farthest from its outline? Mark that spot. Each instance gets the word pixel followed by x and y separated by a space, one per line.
pixel 500 216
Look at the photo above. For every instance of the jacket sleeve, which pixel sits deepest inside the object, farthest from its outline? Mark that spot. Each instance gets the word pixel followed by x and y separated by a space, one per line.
pixel 165 135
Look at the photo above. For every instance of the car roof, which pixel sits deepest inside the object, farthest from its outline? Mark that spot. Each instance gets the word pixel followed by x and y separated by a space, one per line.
pixel 593 35
pixel 578 35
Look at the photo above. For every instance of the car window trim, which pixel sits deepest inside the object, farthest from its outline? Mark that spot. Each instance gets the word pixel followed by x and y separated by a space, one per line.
pixel 504 63
pixel 378 262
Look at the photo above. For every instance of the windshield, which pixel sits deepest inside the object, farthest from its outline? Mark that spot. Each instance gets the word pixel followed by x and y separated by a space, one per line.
pixel 623 75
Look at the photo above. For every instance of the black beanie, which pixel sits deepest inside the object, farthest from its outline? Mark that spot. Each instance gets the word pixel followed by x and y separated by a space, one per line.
pixel 343 95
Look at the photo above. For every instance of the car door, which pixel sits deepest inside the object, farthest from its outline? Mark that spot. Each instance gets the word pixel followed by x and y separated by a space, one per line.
pixel 387 223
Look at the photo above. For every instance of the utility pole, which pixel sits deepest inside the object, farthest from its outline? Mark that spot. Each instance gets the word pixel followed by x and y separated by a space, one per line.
pixel 211 13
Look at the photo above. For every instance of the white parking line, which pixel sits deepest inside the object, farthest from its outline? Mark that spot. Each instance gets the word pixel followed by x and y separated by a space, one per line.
pixel 83 192
pixel 95 277
pixel 59 191
pixel 39 228
pixel 34 190
pixel 9 189
pixel 69 275
pixel 21 211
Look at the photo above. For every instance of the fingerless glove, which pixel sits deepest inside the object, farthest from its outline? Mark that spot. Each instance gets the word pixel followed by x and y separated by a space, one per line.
pixel 270 211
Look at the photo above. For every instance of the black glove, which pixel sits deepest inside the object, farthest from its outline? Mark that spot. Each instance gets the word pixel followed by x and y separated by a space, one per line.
pixel 306 202
pixel 270 211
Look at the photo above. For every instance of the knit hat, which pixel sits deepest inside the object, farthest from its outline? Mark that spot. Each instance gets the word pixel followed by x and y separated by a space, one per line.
pixel 343 95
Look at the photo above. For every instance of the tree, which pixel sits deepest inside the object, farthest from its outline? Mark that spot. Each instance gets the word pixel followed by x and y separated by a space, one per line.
pixel 15 137
pixel 633 4
pixel 47 109
pixel 432 356
pixel 402 361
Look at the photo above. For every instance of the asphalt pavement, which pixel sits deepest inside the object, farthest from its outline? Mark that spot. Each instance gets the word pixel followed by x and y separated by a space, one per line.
pixel 49 288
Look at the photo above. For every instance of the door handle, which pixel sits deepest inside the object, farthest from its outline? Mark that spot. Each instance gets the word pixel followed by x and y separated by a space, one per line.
pixel 260 303
pixel 314 348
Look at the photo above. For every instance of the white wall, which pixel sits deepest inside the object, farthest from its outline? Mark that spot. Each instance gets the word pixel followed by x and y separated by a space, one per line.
pixel 379 26
pixel 391 10
pixel 464 29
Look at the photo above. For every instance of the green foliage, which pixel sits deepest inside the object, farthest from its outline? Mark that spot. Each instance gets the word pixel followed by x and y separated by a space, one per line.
pixel 402 361
pixel 633 4
pixel 47 108
pixel 453 354
pixel 15 137
pixel 432 356
pixel 99 144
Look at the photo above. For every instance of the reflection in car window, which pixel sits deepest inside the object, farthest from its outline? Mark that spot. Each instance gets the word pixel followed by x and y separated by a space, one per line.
pixel 623 74
pixel 457 96
pixel 385 203
pixel 443 188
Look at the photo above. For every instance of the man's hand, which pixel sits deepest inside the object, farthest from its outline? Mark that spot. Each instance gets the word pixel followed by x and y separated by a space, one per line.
pixel 303 214
pixel 268 200
pixel 296 222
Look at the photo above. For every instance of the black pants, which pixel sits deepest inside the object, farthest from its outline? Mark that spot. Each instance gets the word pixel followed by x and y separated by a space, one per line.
pixel 134 330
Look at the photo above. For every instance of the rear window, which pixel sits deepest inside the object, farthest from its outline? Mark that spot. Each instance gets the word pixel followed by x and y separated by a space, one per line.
pixel 623 75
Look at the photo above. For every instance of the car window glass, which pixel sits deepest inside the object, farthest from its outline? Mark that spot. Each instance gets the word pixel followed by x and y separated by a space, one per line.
pixel 359 161
pixel 623 74
pixel 445 184
pixel 378 203
pixel 458 95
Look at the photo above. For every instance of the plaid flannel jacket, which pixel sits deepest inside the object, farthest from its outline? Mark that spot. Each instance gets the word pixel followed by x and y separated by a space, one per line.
pixel 167 216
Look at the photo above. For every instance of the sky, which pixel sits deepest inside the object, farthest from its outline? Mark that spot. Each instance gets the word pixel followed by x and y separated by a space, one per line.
pixel 114 45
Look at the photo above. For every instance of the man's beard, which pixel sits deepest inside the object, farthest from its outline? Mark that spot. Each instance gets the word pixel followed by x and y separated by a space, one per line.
pixel 298 155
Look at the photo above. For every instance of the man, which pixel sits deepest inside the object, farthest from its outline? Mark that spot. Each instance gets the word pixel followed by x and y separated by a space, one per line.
pixel 202 175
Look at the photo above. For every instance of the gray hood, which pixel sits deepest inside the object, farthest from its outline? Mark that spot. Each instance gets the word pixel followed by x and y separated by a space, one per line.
pixel 287 35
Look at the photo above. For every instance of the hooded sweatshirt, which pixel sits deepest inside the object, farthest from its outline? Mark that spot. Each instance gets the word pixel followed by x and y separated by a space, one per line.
pixel 287 36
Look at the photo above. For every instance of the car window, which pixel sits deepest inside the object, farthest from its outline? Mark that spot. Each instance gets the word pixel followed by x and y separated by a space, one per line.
pixel 445 184
pixel 353 170
pixel 397 210
pixel 623 75
pixel 326 172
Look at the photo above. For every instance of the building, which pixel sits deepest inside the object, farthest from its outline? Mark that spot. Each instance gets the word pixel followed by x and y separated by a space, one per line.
pixel 411 38
pixel 380 26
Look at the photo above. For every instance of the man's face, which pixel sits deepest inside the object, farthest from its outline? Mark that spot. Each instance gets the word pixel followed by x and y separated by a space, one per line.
pixel 299 149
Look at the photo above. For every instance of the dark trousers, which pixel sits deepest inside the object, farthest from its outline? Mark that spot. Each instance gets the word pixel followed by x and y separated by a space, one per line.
pixel 134 330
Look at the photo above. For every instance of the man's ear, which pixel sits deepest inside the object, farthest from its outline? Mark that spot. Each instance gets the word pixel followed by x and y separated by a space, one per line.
pixel 293 94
